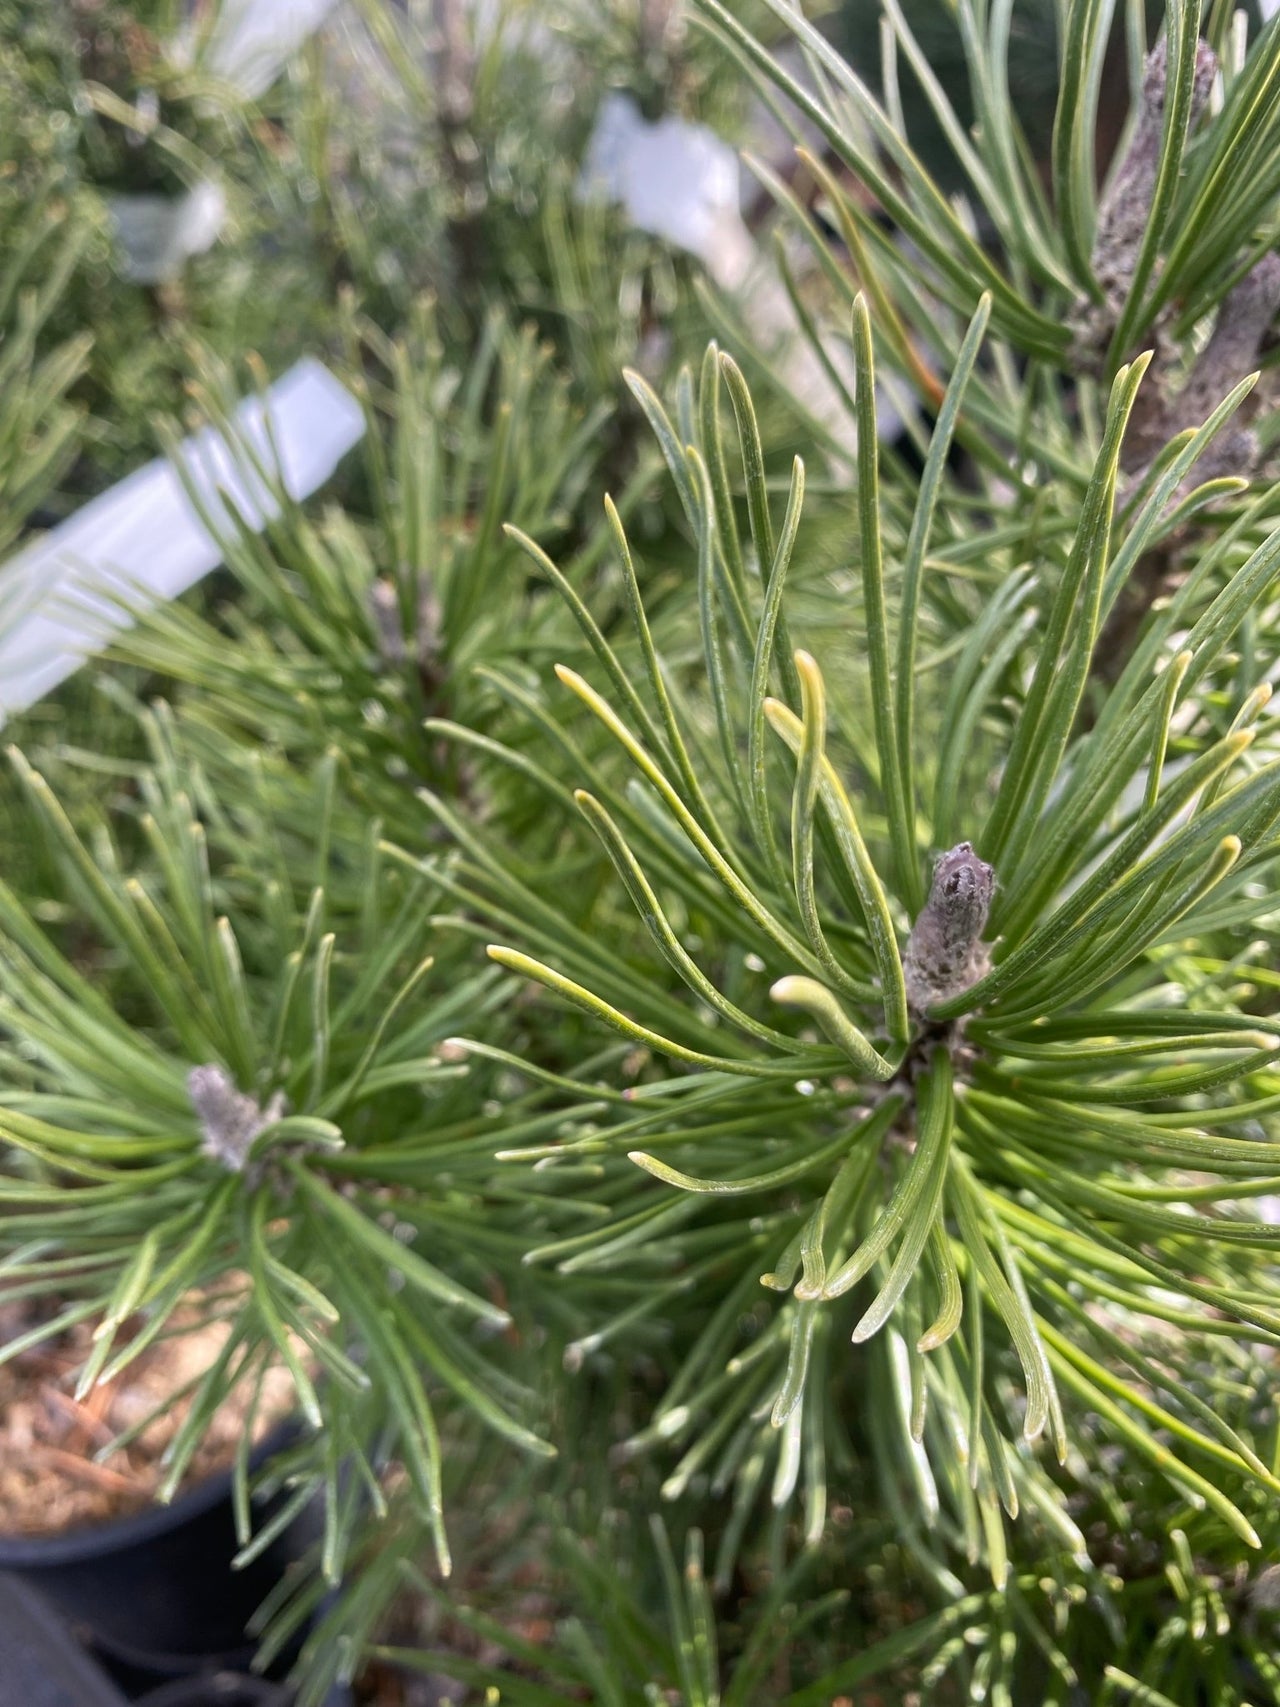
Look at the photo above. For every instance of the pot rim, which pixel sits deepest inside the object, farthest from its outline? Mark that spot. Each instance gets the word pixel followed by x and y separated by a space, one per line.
pixel 119 1534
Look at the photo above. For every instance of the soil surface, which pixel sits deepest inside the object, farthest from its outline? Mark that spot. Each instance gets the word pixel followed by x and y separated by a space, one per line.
pixel 57 1471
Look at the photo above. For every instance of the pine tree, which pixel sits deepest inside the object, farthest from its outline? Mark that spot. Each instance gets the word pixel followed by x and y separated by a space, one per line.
pixel 711 1003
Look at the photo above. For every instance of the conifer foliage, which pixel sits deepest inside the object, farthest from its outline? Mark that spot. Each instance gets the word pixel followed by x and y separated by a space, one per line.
pixel 708 994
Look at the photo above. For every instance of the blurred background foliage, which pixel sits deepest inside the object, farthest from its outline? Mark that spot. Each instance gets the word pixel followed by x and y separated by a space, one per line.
pixel 401 201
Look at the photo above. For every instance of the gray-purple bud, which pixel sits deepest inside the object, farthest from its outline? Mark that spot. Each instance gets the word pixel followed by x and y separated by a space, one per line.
pixel 1125 210
pixel 229 1119
pixel 945 954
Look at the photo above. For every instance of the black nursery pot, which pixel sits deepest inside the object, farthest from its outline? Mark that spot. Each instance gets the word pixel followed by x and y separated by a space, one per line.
pixel 155 1593
pixel 217 1689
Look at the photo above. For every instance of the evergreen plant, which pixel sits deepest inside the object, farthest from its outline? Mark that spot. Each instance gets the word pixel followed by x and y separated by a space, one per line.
pixel 710 999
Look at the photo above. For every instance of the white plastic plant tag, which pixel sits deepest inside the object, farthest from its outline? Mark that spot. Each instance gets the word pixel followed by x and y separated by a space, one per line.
pixel 253 40
pixel 675 180
pixel 62 598
pixel 158 234
pixel 680 182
